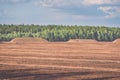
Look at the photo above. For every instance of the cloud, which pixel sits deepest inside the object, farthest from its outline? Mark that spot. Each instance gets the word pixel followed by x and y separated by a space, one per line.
pixel 4 12
pixel 76 3
pixel 100 2
pixel 111 12
pixel 6 16
pixel 57 3
pixel 60 11
pixel 74 17
pixel 80 7
pixel 14 1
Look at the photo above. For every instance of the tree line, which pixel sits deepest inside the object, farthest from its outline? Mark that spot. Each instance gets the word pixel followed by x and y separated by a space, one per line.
pixel 59 32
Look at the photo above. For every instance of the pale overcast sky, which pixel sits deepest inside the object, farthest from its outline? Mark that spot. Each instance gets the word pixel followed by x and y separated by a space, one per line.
pixel 69 12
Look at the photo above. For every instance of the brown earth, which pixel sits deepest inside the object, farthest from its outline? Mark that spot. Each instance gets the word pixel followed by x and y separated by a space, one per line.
pixel 28 40
pixel 117 42
pixel 83 40
pixel 83 60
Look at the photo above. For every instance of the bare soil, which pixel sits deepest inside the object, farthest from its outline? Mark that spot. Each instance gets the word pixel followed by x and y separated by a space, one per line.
pixel 37 59
pixel 83 40
pixel 28 40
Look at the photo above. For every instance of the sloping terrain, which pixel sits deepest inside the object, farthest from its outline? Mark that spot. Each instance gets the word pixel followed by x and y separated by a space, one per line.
pixel 117 42
pixel 73 60
pixel 83 40
pixel 28 40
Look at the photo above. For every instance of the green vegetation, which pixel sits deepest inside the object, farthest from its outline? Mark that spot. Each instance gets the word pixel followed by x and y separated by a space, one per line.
pixel 59 32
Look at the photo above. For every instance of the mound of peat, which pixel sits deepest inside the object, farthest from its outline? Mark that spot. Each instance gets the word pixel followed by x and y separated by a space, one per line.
pixel 28 40
pixel 117 41
pixel 82 40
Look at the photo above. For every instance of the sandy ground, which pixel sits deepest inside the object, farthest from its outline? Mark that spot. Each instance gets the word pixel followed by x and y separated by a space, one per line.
pixel 72 60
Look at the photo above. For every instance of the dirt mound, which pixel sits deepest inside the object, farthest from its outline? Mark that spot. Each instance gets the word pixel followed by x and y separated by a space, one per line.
pixel 117 41
pixel 28 40
pixel 83 40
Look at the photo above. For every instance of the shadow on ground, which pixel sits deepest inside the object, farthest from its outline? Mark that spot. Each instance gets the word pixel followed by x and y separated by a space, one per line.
pixel 38 75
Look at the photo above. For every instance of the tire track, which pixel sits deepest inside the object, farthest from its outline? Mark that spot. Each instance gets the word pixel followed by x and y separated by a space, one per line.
pixel 62 59
pixel 65 67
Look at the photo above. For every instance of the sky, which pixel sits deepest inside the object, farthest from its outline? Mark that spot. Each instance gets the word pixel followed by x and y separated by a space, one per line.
pixel 65 12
